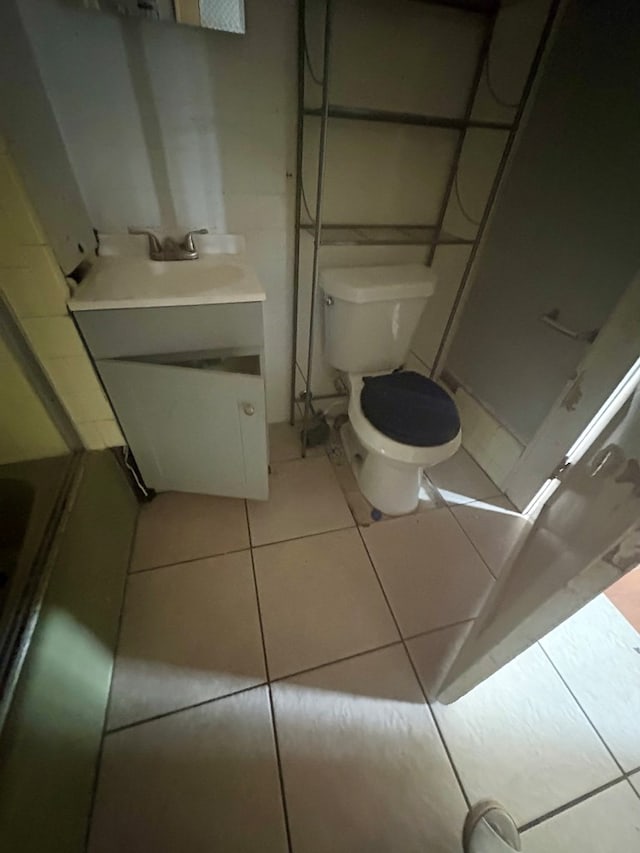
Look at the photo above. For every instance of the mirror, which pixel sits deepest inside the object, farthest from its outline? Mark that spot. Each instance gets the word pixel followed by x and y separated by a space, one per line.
pixel 227 15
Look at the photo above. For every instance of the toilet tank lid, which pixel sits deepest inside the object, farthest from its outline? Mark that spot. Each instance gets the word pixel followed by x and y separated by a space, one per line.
pixel 377 284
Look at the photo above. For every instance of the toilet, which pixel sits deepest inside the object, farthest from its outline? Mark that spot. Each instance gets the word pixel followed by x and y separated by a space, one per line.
pixel 400 422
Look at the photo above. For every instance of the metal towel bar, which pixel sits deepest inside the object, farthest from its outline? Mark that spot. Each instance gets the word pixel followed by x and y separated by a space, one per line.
pixel 551 318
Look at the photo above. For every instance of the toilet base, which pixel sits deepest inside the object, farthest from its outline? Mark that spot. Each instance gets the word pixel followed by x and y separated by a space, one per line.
pixel 390 486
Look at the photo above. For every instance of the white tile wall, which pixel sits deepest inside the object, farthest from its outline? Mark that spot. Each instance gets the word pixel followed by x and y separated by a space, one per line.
pixel 33 282
pixel 26 431
pixel 18 223
pixel 37 292
pixel 490 444
pixel 54 337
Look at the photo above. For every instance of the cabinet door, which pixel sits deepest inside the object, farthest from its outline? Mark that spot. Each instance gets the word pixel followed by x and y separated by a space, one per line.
pixel 196 425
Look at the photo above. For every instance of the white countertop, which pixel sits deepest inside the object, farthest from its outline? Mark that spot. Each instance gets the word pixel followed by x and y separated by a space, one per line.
pixel 124 277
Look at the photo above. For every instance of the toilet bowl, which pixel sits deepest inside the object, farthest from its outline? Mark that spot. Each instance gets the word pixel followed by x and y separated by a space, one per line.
pixel 370 316
pixel 388 472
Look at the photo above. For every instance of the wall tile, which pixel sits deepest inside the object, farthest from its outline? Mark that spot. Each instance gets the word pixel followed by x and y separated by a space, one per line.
pixel 18 223
pixel 54 337
pixel 491 445
pixel 79 388
pixel 91 436
pixel 26 432
pixel 33 282
pixel 111 434
pixel 86 407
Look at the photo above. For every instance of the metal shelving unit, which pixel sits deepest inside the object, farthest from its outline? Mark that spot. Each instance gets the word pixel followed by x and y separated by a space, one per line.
pixel 370 234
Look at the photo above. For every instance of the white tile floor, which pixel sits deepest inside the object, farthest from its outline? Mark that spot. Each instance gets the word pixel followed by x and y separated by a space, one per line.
pixel 263 699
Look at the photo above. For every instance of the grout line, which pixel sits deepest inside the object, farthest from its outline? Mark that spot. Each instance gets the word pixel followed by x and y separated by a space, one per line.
pixel 299 672
pixel 456 773
pixel 272 712
pixel 131 574
pixel 306 536
pixel 116 647
pixel 285 812
pixel 260 622
pixel 633 787
pixel 577 701
pixel 415 672
pixel 246 518
pixel 278 679
pixel 440 628
pixel 566 806
pixel 237 550
pixel 473 544
pixel 164 714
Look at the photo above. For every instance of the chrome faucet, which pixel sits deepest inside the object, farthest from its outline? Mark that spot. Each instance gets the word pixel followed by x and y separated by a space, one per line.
pixel 170 249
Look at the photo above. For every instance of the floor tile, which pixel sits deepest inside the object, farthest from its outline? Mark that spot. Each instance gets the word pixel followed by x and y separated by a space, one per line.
pixel 304 498
pixel 625 595
pixel 284 443
pixel 519 737
pixel 431 573
pixel 178 526
pixel 608 822
pixel 189 633
pixel 635 782
pixel 320 601
pixel 432 653
pixel 596 651
pixel 364 768
pixel 461 480
pixel 494 528
pixel 201 780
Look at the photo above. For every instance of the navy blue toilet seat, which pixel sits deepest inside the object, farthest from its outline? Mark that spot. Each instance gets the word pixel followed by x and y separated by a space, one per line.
pixel 409 408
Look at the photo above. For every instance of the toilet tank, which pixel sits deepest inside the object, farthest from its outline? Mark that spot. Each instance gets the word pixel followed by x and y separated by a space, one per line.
pixel 371 313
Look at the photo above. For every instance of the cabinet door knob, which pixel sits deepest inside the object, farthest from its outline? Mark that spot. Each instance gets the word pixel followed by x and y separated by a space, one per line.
pixel 248 409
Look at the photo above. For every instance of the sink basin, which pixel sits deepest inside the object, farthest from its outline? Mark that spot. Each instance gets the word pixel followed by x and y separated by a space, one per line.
pixel 122 281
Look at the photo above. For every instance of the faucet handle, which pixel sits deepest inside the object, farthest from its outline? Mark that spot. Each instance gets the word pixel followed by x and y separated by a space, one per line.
pixel 187 244
pixel 155 247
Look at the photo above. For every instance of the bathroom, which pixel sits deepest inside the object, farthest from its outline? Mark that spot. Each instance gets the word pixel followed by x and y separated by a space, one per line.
pixel 111 123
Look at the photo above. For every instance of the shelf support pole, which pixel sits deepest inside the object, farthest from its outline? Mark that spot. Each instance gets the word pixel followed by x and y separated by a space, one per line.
pixel 298 209
pixel 317 230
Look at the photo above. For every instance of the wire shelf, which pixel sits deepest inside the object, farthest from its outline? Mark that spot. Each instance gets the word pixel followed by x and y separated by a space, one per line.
pixel 415 119
pixel 384 235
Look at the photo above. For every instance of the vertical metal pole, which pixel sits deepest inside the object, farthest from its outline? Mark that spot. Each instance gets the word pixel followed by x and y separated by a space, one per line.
pixel 533 70
pixel 298 209
pixel 471 97
pixel 317 231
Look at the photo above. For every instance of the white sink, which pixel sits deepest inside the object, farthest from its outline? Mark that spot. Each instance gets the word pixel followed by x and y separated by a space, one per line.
pixel 128 279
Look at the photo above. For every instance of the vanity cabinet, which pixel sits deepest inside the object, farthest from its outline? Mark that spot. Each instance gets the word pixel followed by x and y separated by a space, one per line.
pixel 187 386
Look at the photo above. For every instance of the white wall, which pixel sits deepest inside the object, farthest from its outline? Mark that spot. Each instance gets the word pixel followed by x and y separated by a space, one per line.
pixel 564 231
pixel 172 127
